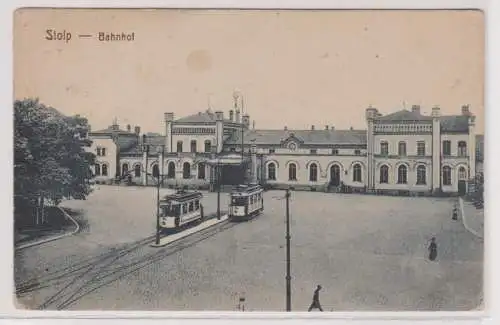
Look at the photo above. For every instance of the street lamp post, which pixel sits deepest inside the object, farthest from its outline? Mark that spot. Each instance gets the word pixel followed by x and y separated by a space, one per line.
pixel 288 275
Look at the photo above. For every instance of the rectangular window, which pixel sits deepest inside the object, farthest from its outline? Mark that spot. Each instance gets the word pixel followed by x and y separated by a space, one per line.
pixel 420 148
pixel 191 206
pixel 232 149
pixel 271 150
pixel 447 148
pixel 314 151
pixel 402 148
pixel 184 208
pixel 179 146
pixel 196 205
pixel 384 148
pixel 357 152
pixel 335 152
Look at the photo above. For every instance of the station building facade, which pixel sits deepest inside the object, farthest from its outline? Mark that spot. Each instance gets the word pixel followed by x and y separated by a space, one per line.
pixel 405 152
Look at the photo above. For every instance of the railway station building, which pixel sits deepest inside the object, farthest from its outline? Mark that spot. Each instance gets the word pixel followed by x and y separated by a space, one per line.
pixel 404 152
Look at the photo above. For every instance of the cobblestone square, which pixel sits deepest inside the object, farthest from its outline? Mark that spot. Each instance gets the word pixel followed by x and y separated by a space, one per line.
pixel 367 252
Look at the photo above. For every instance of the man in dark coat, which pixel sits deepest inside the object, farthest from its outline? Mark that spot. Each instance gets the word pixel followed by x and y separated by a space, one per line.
pixel 433 249
pixel 315 303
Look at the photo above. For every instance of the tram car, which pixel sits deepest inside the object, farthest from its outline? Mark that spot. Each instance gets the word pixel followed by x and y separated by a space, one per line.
pixel 181 208
pixel 246 202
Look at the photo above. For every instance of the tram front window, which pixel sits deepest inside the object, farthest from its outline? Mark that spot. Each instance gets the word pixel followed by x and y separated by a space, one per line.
pixel 171 210
pixel 238 201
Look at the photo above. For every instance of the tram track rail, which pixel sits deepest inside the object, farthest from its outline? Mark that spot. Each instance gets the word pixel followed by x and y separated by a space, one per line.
pixel 88 275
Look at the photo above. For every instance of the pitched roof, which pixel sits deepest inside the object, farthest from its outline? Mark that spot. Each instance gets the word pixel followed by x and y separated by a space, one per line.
pixel 404 115
pixel 454 123
pixel 155 143
pixel 305 136
pixel 200 117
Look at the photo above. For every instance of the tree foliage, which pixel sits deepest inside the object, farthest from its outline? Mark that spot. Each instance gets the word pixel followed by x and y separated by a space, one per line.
pixel 50 161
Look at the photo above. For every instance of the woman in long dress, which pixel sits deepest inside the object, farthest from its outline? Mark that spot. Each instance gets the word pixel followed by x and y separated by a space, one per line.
pixel 433 249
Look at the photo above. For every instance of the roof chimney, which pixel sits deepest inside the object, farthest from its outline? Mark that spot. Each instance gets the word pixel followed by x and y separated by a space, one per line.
pixel 332 128
pixel 253 124
pixel 312 127
pixel 465 110
pixel 137 130
pixel 128 127
pixel 231 115
pixel 285 128
pixel 415 109
pixel 436 111
pixel 351 128
pixel 326 127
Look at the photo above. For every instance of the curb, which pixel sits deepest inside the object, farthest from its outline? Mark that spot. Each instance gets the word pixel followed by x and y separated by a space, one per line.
pixel 175 240
pixel 55 237
pixel 464 219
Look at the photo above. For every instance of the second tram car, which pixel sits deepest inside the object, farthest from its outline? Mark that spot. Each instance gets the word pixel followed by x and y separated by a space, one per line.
pixel 181 208
pixel 247 201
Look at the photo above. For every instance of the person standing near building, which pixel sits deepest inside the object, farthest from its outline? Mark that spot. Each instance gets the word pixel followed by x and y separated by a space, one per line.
pixel 315 303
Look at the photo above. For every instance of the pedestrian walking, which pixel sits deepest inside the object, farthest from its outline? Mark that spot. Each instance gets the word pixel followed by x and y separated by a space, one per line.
pixel 433 249
pixel 455 213
pixel 315 303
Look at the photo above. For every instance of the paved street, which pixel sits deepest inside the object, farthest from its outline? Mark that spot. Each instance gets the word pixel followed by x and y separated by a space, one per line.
pixel 368 253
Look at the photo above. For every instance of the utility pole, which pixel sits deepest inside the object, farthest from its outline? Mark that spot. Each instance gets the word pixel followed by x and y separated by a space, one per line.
pixel 218 189
pixel 288 276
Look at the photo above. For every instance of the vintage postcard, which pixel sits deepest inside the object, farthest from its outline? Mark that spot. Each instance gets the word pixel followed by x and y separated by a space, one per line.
pixel 249 160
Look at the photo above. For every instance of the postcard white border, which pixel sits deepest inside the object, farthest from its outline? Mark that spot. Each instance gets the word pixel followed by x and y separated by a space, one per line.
pixel 491 315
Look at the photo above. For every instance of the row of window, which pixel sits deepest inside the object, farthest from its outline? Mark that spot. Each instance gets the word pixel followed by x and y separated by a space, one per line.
pixel 402 176
pixel 193 131
pixel 100 151
pixel 403 128
pixel 313 172
pixel 101 169
pixel 186 170
pixel 193 148
pixel 461 152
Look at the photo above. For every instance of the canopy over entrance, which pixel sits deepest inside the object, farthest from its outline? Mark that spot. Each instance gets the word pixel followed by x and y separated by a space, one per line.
pixel 232 159
pixel 229 169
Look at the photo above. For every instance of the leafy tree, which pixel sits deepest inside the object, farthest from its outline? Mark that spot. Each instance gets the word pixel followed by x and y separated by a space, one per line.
pixel 50 161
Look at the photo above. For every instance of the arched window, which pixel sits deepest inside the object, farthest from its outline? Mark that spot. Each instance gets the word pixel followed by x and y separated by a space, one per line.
pixel 137 170
pixel 402 148
pixel 384 148
pixel 124 169
pixel 104 170
pixel 171 170
pixel 207 146
pixel 292 172
pixel 384 174
pixel 179 146
pixel 201 171
pixel 446 175
pixel 193 145
pixel 271 171
pixel 356 175
pixel 462 149
pixel 313 172
pixel 421 175
pixel 186 170
pixel 462 173
pixel 97 169
pixel 156 170
pixel 402 174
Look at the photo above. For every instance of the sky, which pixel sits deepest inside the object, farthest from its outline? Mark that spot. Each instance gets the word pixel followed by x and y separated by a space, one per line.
pixel 293 68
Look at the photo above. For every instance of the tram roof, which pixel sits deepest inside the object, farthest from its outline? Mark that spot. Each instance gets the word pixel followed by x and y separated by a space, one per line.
pixel 247 188
pixel 182 196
